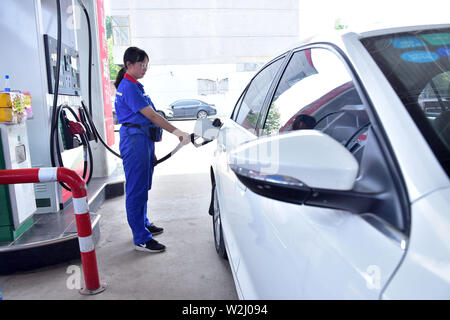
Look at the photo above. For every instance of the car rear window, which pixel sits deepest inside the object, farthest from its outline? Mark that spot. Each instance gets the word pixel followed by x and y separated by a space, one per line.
pixel 417 65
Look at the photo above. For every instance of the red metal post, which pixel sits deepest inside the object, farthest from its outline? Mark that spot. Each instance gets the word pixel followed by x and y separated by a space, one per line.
pixel 81 210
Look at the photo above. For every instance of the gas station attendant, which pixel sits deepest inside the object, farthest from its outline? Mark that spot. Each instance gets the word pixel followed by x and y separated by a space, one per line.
pixel 141 127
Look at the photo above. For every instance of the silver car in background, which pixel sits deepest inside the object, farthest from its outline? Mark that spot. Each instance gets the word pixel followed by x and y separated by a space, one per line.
pixel 188 109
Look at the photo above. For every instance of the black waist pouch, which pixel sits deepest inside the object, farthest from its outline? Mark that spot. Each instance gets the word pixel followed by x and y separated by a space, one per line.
pixel 155 133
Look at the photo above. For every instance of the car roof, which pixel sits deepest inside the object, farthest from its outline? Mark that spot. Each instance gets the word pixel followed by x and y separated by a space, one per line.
pixel 341 38
pixel 188 99
pixel 399 29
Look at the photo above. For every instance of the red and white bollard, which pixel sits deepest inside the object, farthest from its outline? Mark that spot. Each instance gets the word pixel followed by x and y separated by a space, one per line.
pixel 81 210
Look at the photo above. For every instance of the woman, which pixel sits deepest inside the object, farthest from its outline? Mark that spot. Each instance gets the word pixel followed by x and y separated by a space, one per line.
pixel 136 112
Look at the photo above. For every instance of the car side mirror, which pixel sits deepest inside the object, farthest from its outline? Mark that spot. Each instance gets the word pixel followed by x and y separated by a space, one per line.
pixel 302 167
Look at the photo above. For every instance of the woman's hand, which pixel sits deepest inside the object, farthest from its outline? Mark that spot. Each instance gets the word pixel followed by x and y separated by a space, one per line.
pixel 182 136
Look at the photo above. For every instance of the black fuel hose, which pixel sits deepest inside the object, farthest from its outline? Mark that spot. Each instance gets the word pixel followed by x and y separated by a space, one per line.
pixel 88 115
pixel 56 111
pixel 86 147
pixel 91 124
pixel 87 152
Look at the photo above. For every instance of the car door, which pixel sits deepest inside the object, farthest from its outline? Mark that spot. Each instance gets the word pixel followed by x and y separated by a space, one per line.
pixel 190 108
pixel 239 129
pixel 178 109
pixel 322 249
pixel 419 134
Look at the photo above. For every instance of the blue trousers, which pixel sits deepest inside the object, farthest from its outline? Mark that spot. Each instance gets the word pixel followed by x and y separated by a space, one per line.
pixel 137 151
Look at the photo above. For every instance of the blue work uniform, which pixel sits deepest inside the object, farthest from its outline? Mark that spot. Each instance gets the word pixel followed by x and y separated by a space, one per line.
pixel 137 151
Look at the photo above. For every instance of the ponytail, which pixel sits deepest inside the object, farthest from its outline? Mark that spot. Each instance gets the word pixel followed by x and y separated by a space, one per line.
pixel 119 77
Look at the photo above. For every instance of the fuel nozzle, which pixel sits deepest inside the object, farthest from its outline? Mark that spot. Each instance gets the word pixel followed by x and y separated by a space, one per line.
pixel 217 123
pixel 207 129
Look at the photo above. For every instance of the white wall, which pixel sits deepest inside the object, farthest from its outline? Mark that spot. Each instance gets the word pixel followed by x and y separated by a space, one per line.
pixel 205 31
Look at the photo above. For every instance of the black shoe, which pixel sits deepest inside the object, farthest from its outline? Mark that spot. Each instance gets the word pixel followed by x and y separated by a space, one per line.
pixel 154 230
pixel 151 246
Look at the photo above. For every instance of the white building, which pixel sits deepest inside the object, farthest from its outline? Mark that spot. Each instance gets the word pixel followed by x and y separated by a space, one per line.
pixel 204 49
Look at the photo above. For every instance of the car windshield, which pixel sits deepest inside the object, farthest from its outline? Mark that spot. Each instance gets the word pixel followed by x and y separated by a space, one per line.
pixel 417 65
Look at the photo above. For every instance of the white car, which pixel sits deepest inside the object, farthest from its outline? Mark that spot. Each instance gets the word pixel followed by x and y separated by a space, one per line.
pixel 330 181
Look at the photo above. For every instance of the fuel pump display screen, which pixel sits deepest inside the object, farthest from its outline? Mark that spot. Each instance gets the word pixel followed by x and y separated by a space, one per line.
pixel 69 74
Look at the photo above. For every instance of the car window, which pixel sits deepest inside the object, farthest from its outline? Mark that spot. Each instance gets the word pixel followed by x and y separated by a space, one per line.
pixel 238 105
pixel 417 65
pixel 435 97
pixel 253 100
pixel 317 92
pixel 193 102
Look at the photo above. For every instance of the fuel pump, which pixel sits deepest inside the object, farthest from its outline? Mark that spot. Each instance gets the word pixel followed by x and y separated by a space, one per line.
pixel 53 52
pixel 63 77
pixel 57 58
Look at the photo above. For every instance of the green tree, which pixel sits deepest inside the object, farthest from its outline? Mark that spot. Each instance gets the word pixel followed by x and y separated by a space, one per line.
pixel 113 68
pixel 108 27
pixel 273 120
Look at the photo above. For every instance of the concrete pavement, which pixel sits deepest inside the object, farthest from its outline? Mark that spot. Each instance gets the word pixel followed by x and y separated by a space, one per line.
pixel 190 267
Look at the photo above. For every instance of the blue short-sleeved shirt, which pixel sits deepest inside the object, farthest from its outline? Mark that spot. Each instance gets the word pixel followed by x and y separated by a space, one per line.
pixel 130 98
